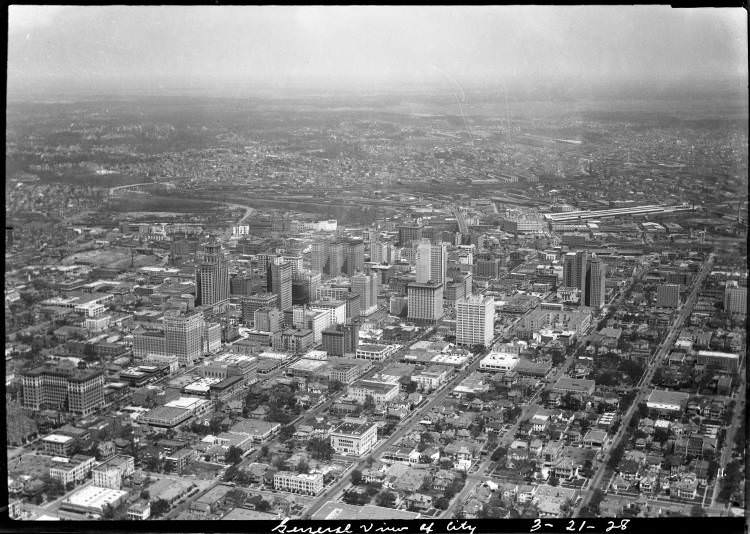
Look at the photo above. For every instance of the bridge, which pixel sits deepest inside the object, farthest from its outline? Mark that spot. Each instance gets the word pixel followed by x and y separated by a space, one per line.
pixel 462 226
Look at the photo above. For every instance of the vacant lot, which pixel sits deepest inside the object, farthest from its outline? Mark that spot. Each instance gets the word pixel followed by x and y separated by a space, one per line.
pixel 110 257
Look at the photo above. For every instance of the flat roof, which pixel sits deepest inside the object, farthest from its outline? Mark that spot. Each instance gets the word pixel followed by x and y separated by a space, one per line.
pixel 94 497
pixel 57 438
pixel 717 354
pixel 353 428
pixel 372 348
pixel 662 396
pixel 186 403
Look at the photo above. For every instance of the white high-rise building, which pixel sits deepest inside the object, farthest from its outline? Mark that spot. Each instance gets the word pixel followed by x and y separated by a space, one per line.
pixel 366 286
pixel 475 320
pixel 432 262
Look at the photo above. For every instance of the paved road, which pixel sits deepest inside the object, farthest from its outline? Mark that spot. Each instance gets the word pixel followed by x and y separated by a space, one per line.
pixel 654 362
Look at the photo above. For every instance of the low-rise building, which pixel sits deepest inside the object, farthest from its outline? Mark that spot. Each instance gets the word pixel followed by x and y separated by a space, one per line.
pixel 111 473
pixel 58 445
pixel 303 483
pixel 74 470
pixel 354 439
pixel 381 392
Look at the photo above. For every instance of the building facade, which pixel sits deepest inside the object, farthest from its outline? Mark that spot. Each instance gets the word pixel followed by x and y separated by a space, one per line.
pixel 212 276
pixel 425 302
pixel 475 320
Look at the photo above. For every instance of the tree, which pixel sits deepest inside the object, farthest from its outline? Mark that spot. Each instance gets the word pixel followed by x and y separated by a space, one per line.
pixel 369 404
pixel 108 512
pixel 286 432
pixel 264 451
pixel 334 386
pixel 159 507
pixel 356 477
pixel 233 455
pixel 386 498
pixel 442 503
pixel 302 466
pixel 320 449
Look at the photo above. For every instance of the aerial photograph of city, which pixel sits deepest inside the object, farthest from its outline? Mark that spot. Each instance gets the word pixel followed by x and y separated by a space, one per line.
pixel 376 263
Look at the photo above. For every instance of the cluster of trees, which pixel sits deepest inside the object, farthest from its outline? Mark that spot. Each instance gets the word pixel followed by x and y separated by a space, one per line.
pixel 320 449
pixel 233 455
pixel 214 426
pixel 281 402
pixel 734 477
pixel 159 507
pixel 361 497
pixel 286 433
pixel 386 498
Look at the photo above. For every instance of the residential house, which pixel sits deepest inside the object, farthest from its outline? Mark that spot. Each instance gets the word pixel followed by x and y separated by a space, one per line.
pixel 419 502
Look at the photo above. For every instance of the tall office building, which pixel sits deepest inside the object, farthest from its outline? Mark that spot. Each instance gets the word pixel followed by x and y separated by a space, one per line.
pixel 211 276
pixel 352 307
pixel 305 286
pixel 248 305
pixel 593 292
pixel 66 388
pixel 354 257
pixel 268 320
pixel 319 257
pixel 279 282
pixel 335 258
pixel 425 302
pixel 488 267
pixel 475 320
pixel 408 234
pixel 575 268
pixel 432 262
pixel 378 252
pixel 735 300
pixel 668 296
pixel 340 339
pixel 183 336
pixel 367 287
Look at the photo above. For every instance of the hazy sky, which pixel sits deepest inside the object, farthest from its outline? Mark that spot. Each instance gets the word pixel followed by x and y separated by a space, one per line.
pixel 151 48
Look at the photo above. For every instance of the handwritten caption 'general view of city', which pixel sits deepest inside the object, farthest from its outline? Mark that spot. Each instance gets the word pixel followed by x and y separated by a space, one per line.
pixel 376 263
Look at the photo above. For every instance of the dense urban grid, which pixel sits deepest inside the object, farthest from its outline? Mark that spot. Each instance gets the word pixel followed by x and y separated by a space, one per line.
pixel 375 307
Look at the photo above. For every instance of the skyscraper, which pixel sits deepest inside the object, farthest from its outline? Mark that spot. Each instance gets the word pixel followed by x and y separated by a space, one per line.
pixel 319 257
pixel 594 286
pixel 408 234
pixel 183 336
pixel 335 258
pixel 475 320
pixel 432 262
pixel 254 302
pixel 575 267
pixel 354 257
pixel 211 276
pixel 280 283
pixel 366 286
pixel 425 302
pixel 305 284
